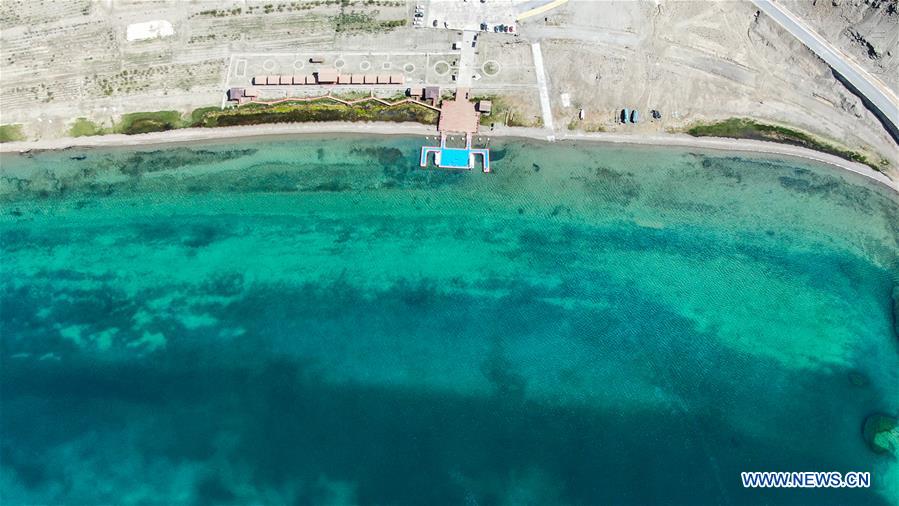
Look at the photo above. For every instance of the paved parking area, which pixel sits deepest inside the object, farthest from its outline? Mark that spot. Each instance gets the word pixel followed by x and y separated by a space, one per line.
pixel 468 15
pixel 501 63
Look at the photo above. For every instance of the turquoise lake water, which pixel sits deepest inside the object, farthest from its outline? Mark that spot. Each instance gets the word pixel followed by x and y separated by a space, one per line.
pixel 318 321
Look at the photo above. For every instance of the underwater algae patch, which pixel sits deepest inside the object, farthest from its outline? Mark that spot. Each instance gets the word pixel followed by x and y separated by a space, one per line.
pixel 385 155
pixel 212 429
pixel 142 162
pixel 896 311
pixel 333 166
pixel 97 172
pixel 611 185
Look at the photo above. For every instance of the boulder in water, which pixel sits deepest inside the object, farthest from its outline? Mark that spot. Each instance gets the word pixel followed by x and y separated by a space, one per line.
pixel 857 379
pixel 881 432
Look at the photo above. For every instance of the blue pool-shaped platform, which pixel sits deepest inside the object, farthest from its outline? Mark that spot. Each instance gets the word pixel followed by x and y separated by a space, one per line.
pixel 455 158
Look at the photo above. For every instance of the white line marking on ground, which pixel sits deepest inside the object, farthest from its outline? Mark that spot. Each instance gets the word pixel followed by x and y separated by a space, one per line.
pixel 544 92
pixel 227 81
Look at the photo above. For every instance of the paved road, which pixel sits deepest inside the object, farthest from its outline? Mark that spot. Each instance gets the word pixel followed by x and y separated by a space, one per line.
pixel 544 90
pixel 875 91
pixel 467 60
pixel 603 36
pixel 539 9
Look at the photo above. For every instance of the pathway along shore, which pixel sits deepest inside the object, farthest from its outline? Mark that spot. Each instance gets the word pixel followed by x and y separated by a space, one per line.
pixel 224 133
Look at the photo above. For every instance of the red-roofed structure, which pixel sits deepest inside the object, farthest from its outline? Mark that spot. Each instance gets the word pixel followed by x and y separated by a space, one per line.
pixel 458 115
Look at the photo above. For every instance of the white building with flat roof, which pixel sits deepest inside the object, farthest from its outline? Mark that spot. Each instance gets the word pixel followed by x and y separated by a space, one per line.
pixel 149 30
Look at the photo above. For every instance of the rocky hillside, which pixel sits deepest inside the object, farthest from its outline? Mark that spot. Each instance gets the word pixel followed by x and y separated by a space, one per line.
pixel 867 30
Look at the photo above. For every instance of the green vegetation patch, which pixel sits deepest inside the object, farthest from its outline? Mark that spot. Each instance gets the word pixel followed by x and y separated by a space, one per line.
pixel 351 95
pixel 198 115
pixel 586 126
pixel 317 110
pixel 503 113
pixel 742 128
pixel 250 114
pixel 499 110
pixel 145 122
pixel 360 21
pixel 10 133
pixel 84 127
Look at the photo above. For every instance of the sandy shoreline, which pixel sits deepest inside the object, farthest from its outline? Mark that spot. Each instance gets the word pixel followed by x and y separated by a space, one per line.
pixel 224 133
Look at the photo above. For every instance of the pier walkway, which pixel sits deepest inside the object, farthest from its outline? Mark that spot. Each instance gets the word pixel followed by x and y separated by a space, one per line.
pixel 455 158
pixel 457 116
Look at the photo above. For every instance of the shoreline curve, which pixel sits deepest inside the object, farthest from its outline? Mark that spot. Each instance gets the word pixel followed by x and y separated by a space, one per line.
pixel 380 128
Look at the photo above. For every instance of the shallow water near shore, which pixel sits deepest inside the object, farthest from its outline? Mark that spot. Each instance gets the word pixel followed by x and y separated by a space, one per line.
pixel 320 321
